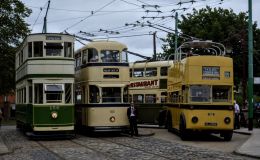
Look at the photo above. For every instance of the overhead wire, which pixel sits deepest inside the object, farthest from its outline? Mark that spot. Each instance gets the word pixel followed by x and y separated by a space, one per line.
pixel 93 12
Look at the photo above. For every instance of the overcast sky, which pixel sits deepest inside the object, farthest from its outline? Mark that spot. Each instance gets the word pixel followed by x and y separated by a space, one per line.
pixel 111 16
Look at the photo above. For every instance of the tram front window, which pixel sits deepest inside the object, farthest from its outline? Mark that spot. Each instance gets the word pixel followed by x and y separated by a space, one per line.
pixel 124 56
pixel 200 93
pixel 53 49
pixel 53 93
pixel 111 94
pixel 221 94
pixel 110 56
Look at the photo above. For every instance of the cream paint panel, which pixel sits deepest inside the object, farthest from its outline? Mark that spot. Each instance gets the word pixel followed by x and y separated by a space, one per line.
pixel 65 128
pixel 100 116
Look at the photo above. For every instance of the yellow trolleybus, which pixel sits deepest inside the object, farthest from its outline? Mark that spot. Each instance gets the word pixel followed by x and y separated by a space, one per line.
pixel 102 79
pixel 200 90
pixel 148 89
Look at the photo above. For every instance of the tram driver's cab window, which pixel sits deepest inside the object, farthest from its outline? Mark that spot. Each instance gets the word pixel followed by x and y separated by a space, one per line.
pixel 53 49
pixel 111 94
pixel 199 93
pixel 150 98
pixel 93 94
pixel 54 93
pixel 138 98
pixel 110 56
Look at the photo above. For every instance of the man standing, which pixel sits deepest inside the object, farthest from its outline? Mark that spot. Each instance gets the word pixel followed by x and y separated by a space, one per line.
pixel 132 116
pixel 237 111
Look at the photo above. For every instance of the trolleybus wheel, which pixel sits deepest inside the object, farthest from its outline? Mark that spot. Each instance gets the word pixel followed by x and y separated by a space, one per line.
pixel 182 128
pixel 227 135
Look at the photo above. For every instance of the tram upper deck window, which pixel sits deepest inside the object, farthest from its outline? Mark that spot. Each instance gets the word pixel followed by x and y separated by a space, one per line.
pixel 29 49
pixel 151 72
pixel 124 56
pixel 164 71
pixel 53 93
pixel 92 55
pixel 138 72
pixel 68 49
pixel 111 94
pixel 53 49
pixel 199 93
pixel 221 93
pixel 38 48
pixel 110 56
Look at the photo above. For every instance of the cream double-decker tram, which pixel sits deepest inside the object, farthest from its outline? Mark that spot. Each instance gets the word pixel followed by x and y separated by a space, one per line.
pixel 102 79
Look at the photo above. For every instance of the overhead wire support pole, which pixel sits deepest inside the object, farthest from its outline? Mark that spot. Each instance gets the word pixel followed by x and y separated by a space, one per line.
pixel 154 45
pixel 44 29
pixel 250 67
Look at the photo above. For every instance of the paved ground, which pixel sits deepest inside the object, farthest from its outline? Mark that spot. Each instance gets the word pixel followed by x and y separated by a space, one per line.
pixel 212 142
pixel 105 147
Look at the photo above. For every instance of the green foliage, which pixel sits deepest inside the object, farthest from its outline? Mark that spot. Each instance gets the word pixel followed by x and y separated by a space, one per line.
pixel 12 30
pixel 223 26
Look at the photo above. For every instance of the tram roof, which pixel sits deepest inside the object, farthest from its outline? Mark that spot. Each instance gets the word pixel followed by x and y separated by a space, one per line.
pixel 151 64
pixel 105 45
pixel 42 34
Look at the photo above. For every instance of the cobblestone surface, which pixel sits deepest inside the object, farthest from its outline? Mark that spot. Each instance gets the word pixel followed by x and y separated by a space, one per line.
pixel 105 148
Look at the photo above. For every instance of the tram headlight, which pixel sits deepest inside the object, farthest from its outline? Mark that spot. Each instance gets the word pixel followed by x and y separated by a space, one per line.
pixel 112 119
pixel 194 119
pixel 227 120
pixel 54 115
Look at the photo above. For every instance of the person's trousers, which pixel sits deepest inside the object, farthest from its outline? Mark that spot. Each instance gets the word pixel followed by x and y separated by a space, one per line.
pixel 133 126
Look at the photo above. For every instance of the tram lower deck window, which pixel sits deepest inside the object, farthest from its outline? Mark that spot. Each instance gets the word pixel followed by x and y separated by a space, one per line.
pixel 111 94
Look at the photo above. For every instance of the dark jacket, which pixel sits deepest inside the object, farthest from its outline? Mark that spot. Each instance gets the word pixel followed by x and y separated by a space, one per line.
pixel 129 112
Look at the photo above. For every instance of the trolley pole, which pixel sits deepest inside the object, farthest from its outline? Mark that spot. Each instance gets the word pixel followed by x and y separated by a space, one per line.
pixel 44 29
pixel 250 67
pixel 176 35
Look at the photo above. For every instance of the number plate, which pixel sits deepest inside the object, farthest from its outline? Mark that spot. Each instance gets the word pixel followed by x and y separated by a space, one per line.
pixel 210 124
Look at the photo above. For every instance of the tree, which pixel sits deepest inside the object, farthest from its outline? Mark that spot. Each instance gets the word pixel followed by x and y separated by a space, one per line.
pixel 12 30
pixel 223 26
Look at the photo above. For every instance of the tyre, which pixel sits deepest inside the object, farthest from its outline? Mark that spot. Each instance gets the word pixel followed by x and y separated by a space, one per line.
pixel 182 129
pixel 169 122
pixel 228 136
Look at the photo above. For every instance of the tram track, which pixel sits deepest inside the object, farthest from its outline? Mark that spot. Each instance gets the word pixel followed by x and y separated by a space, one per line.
pixel 49 150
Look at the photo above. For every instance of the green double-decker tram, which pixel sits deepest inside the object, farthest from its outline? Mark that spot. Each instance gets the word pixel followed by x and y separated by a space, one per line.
pixel 44 85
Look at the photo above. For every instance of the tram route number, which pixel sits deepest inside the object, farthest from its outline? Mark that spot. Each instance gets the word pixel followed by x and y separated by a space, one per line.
pixel 54 108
